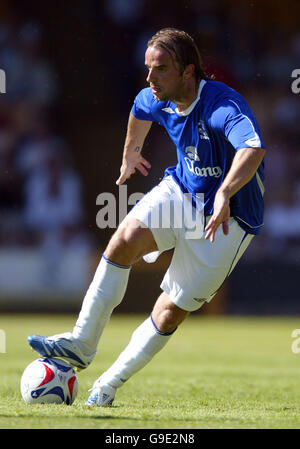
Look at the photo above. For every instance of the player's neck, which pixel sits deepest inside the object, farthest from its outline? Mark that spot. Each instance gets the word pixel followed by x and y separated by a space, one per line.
pixel 188 96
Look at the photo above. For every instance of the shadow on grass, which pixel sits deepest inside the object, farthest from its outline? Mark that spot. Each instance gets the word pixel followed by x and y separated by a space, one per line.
pixel 109 417
pixel 21 415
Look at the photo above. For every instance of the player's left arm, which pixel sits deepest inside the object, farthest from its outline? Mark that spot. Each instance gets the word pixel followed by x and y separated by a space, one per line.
pixel 244 166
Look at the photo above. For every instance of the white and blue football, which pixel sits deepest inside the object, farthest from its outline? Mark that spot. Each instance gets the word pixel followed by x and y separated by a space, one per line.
pixel 49 381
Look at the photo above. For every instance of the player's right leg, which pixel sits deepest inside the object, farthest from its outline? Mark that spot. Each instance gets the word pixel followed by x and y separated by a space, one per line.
pixel 129 243
pixel 132 240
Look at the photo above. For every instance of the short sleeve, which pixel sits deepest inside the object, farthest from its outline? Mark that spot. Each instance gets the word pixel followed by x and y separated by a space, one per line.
pixel 141 108
pixel 235 120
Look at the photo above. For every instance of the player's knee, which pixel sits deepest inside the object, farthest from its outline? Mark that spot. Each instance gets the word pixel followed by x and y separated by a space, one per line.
pixel 124 248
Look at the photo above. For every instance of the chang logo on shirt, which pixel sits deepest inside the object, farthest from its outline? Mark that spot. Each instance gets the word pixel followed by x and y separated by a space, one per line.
pixel 192 157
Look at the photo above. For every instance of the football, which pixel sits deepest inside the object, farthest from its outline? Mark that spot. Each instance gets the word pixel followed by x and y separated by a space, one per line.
pixel 49 381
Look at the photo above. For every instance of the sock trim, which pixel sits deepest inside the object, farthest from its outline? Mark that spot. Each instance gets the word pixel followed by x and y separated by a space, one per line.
pixel 115 264
pixel 158 331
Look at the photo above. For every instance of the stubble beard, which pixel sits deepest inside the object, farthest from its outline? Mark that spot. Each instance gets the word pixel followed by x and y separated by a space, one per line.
pixel 165 97
pixel 171 96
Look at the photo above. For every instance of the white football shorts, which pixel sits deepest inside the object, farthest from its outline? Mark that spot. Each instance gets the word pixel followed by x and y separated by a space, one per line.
pixel 198 267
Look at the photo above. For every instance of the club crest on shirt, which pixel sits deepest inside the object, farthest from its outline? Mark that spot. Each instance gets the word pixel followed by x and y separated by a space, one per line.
pixel 191 152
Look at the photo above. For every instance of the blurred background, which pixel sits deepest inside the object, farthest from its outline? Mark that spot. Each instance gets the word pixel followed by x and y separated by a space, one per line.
pixel 72 72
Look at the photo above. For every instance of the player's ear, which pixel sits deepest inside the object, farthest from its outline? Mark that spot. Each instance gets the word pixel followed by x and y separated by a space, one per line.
pixel 189 71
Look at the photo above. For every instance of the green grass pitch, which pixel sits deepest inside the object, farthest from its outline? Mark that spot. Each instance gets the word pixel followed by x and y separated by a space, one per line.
pixel 215 373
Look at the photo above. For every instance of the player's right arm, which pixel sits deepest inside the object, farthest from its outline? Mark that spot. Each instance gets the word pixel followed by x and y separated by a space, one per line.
pixel 137 131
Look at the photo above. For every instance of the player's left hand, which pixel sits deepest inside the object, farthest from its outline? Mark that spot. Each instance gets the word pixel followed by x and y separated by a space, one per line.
pixel 220 216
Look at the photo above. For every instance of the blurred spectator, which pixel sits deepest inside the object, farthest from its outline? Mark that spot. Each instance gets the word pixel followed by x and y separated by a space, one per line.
pixel 29 76
pixel 286 114
pixel 37 142
pixel 122 12
pixel 53 210
pixel 282 226
pixel 279 60
pixel 11 197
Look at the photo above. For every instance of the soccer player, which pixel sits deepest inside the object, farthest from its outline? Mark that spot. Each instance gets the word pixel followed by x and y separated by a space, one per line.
pixel 220 164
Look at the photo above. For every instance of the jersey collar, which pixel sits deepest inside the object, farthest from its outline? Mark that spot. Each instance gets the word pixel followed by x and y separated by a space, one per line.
pixel 188 110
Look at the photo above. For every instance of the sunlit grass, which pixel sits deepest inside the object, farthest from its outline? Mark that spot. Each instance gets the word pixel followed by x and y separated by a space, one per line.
pixel 216 372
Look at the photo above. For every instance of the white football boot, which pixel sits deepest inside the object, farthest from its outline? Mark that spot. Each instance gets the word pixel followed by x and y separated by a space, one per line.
pixel 101 394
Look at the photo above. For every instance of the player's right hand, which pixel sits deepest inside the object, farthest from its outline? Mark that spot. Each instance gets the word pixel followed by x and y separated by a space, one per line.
pixel 129 167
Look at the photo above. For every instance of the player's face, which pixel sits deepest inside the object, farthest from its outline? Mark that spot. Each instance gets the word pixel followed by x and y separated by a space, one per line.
pixel 164 75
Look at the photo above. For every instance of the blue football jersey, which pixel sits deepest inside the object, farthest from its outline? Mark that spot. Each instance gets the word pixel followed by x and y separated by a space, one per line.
pixel 207 135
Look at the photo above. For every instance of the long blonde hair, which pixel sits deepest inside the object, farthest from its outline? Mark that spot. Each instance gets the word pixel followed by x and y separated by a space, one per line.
pixel 182 48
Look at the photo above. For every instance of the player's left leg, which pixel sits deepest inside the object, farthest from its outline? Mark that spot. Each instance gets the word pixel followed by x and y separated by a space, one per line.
pixel 146 341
